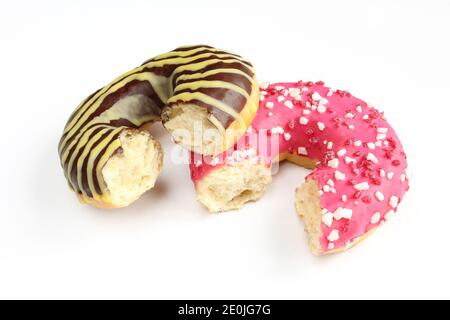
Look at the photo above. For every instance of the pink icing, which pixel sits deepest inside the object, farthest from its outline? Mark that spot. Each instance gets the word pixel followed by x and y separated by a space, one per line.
pixel 315 121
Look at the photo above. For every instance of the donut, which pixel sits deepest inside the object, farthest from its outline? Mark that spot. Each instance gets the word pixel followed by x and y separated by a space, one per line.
pixel 359 168
pixel 205 97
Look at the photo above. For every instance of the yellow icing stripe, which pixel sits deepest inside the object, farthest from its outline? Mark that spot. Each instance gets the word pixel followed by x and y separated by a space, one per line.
pixel 211 84
pixel 183 54
pixel 217 124
pixel 95 153
pixel 189 96
pixel 82 142
pixel 201 65
pixel 181 61
pixel 213 72
pixel 86 151
pixel 92 153
pixel 178 54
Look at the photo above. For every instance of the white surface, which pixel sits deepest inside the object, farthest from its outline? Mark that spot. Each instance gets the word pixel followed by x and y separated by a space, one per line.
pixel 394 54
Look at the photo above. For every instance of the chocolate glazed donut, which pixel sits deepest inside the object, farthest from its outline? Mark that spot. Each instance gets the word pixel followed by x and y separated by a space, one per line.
pixel 108 157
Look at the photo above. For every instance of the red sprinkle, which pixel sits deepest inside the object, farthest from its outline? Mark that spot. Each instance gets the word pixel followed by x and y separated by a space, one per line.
pixel 357 194
pixel 376 181
pixel 309 132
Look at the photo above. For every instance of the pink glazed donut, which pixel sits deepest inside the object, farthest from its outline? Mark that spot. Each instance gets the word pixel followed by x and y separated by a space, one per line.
pixel 359 166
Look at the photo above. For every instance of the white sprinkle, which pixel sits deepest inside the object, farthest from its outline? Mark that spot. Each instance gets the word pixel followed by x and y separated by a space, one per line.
pixel 371 145
pixel 280 98
pixel 365 117
pixel 371 157
pixel 375 218
pixel 308 105
pixel 261 98
pixel 382 130
pixel 329 93
pixel 338 175
pixel 320 125
pixel 198 163
pixel 327 219
pixel 287 136
pixel 402 177
pixel 389 214
pixel 277 130
pixel 333 190
pixel 382 173
pixel 264 85
pixel 306 112
pixel 393 202
pixel 302 151
pixel 326 188
pixel 313 107
pixel 333 236
pixel 263 93
pixel 379 196
pixel 341 152
pixel 289 104
pixel 279 88
pixel 381 136
pixel 359 109
pixel 294 92
pixel 390 175
pixel 344 198
pixel 270 114
pixel 303 121
pixel 330 246
pixel 350 115
pixel 269 105
pixel 362 186
pixel 333 163
pixel 378 143
pixel 320 192
pixel 342 213
pixel 349 160
pixel 351 127
pixel 330 145
pixel 358 143
pixel 321 109
pixel 285 92
pixel 330 183
pixel 316 96
pixel 323 101
pixel 214 161
pixel 408 173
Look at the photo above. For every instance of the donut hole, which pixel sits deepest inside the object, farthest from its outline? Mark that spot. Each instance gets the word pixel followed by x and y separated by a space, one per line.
pixel 134 170
pixel 194 127
pixel 230 187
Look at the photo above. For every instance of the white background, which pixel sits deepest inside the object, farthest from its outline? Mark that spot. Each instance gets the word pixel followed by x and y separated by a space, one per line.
pixel 394 54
